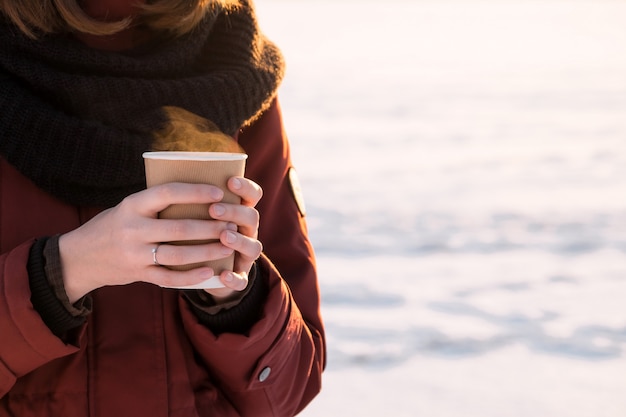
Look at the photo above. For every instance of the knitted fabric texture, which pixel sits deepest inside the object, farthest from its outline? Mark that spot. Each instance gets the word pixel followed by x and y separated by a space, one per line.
pixel 76 120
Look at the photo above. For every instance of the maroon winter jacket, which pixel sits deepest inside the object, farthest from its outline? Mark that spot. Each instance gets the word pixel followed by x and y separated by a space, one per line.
pixel 143 351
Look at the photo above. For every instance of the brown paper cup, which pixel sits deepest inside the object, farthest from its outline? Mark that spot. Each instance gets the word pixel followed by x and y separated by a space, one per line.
pixel 198 168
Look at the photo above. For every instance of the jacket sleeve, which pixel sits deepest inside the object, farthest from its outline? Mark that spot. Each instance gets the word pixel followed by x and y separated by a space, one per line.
pixel 274 369
pixel 26 342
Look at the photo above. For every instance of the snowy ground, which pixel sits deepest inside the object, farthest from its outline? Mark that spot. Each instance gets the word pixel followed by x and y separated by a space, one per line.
pixel 464 165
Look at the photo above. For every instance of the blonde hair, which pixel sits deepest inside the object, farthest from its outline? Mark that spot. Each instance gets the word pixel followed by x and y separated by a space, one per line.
pixel 175 17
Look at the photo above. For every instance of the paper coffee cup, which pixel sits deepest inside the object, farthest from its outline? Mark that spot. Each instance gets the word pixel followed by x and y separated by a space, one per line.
pixel 213 168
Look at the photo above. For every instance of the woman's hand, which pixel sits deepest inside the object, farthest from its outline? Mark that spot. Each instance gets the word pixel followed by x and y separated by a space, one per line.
pixel 243 240
pixel 115 247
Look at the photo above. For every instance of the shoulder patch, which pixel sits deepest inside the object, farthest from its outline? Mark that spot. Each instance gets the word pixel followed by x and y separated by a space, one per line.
pixel 296 189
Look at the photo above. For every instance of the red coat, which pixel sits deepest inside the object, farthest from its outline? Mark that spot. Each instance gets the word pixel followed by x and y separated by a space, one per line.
pixel 142 351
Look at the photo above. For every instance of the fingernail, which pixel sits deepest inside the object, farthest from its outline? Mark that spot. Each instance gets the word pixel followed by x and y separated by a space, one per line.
pixel 229 277
pixel 216 193
pixel 231 237
pixel 219 209
pixel 236 183
pixel 231 226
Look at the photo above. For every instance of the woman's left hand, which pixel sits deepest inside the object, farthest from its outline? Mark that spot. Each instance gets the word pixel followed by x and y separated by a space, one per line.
pixel 243 241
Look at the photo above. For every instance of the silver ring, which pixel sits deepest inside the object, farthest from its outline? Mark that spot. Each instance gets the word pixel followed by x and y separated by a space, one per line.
pixel 154 254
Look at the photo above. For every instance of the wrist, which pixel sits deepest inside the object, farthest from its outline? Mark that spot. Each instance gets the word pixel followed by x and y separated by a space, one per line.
pixel 75 287
pixel 234 317
pixel 231 295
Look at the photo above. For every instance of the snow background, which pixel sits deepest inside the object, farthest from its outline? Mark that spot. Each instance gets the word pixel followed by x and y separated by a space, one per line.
pixel 464 169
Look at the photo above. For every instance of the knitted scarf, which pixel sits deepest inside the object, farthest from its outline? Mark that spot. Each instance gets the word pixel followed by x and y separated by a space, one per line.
pixel 76 120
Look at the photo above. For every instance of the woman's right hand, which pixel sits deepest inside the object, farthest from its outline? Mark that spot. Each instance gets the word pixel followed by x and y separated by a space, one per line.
pixel 115 247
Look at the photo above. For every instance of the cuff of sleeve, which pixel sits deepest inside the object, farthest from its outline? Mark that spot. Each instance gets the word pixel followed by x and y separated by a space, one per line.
pixel 54 274
pixel 43 297
pixel 233 317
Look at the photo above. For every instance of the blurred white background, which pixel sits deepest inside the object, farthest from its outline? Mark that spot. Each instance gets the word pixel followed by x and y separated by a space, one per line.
pixel 464 167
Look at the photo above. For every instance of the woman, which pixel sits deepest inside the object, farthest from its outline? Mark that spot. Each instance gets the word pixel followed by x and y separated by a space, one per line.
pixel 88 325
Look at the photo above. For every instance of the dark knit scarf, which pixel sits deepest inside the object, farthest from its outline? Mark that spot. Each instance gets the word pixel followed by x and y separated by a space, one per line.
pixel 76 120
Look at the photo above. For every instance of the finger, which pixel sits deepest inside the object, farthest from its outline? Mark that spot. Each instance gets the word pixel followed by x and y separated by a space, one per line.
pixel 159 197
pixel 249 191
pixel 249 249
pixel 234 281
pixel 247 218
pixel 177 255
pixel 169 230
